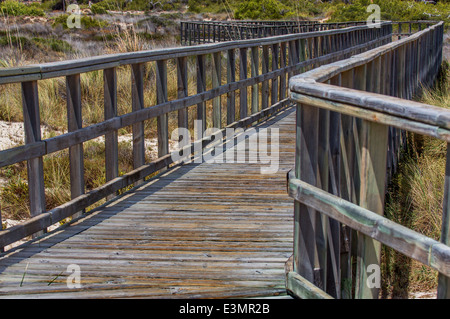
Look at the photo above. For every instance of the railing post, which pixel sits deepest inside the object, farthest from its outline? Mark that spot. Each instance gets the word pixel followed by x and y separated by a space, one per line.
pixel 254 72
pixel 372 150
pixel 111 138
pixel 306 168
pixel 231 77
pixel 216 82
pixel 283 76
pixel 73 89
pixel 182 92
pixel 161 97
pixel 243 73
pixel 265 84
pixel 35 166
pixel 201 87
pixel 347 188
pixel 137 99
pixel 275 57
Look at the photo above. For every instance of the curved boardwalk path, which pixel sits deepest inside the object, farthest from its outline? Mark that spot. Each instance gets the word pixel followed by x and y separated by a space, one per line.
pixel 197 230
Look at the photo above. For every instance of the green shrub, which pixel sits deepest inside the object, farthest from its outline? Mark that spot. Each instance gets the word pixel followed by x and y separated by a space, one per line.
pixel 394 10
pixel 113 5
pixel 15 8
pixel 86 22
pixel 262 10
pixel 97 8
pixel 56 45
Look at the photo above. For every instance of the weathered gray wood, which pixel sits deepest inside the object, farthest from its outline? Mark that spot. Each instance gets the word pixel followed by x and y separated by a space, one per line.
pixel 35 169
pixel 275 62
pixel 201 87
pixel 443 291
pixel 243 74
pixel 373 148
pixel 51 217
pixel 408 242
pixel 137 103
pixel 182 91
pixel 216 82
pixel 254 70
pixel 231 77
pixel 161 97
pixel 75 122
pixel 303 289
pixel 111 138
pixel 306 168
pixel 265 84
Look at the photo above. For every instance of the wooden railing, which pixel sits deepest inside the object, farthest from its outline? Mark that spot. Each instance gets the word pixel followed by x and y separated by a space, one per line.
pixel 280 58
pixel 197 32
pixel 350 115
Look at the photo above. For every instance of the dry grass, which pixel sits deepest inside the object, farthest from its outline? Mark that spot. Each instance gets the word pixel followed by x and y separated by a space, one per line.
pixel 415 201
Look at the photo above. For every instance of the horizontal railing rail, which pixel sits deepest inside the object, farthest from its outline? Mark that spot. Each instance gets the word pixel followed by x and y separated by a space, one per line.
pixel 197 32
pixel 352 116
pixel 270 61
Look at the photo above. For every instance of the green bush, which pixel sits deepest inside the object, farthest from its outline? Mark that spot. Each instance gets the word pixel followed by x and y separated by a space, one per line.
pixel 56 45
pixel 113 5
pixel 97 8
pixel 394 10
pixel 15 8
pixel 262 10
pixel 86 22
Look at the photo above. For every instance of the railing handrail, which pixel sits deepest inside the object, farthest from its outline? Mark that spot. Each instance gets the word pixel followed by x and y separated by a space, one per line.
pixel 311 83
pixel 75 66
pixel 342 174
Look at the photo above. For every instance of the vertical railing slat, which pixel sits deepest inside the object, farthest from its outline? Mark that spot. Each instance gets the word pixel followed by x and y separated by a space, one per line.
pixel 137 103
pixel 74 118
pixel 265 84
pixel 182 91
pixel 231 77
pixel 111 138
pixel 306 168
pixel 243 74
pixel 201 87
pixel 35 166
pixel 254 69
pixel 162 121
pixel 216 82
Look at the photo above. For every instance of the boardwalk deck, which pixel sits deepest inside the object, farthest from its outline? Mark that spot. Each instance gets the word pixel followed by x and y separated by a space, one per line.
pixel 197 230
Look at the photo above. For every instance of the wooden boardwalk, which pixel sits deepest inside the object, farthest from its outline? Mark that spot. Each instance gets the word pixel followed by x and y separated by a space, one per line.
pixel 195 231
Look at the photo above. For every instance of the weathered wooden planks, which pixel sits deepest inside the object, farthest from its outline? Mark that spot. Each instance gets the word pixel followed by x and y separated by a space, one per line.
pixel 228 234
